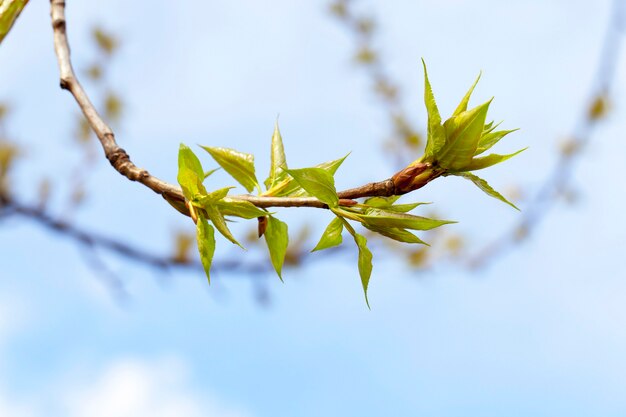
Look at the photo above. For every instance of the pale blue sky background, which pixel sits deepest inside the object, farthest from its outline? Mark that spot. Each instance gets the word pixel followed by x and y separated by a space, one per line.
pixel 540 332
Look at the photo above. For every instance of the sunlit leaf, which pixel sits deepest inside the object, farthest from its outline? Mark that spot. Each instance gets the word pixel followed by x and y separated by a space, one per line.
pixel 489 160
pixel 463 133
pixel 218 220
pixel 331 236
pixel 365 259
pixel 489 139
pixel 277 238
pixel 239 208
pixel 463 104
pixel 436 135
pixel 484 186
pixel 190 173
pixel 9 12
pixel 212 197
pixel 289 187
pixel 206 243
pixel 401 235
pixel 381 202
pixel 278 163
pixel 317 182
pixel 383 218
pixel 239 165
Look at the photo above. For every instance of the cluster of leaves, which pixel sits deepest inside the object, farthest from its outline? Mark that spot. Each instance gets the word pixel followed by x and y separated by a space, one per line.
pixel 452 149
pixel 211 209
pixel 454 146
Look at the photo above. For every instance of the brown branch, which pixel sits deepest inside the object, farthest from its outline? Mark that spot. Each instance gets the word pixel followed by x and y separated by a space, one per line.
pixel 120 160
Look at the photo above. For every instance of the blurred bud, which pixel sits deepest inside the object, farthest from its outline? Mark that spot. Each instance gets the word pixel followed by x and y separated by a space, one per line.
pixel 365 26
pixel 418 258
pixel 365 56
pixel 4 109
pixel 339 8
pixel 8 153
pixel 385 89
pixel 105 41
pixel 454 244
pixel 599 107
pixel 183 243
pixel 113 106
pixel 83 130
pixel 569 146
pixel 94 72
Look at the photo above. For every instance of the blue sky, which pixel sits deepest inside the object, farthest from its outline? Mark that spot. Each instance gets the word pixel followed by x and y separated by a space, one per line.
pixel 540 332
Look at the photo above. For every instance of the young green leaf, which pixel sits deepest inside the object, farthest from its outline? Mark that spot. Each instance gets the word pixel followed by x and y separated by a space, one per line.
pixel 220 223
pixel 464 102
pixel 289 187
pixel 383 218
pixel 190 173
pixel 489 160
pixel 211 172
pixel 239 208
pixel 278 163
pixel 485 187
pixel 463 133
pixel 277 238
pixel 489 139
pixel 365 258
pixel 239 165
pixel 381 202
pixel 9 11
pixel 436 135
pixel 401 235
pixel 206 243
pixel 317 182
pixel 212 197
pixel 331 236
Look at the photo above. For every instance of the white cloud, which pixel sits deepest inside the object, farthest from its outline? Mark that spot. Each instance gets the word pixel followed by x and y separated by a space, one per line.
pixel 135 388
pixel 124 388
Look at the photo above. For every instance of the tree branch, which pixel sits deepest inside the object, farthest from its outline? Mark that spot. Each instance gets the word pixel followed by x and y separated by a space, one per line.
pixel 121 162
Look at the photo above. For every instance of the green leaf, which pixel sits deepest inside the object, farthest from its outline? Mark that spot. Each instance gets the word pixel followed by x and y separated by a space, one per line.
pixel 464 102
pixel 331 236
pixel 317 182
pixel 212 197
pixel 463 133
pixel 211 172
pixel 239 165
pixel 289 187
pixel 190 173
pixel 484 186
pixel 436 135
pixel 365 258
pixel 239 208
pixel 383 218
pixel 277 238
pixel 278 163
pixel 220 223
pixel 489 139
pixel 489 160
pixel 381 202
pixel 206 243
pixel 401 235
pixel 9 12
